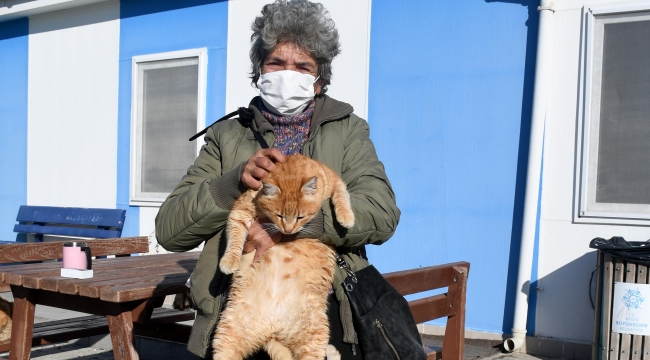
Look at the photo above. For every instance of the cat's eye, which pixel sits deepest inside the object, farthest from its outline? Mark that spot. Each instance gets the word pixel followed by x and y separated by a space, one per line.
pixel 280 216
pixel 300 217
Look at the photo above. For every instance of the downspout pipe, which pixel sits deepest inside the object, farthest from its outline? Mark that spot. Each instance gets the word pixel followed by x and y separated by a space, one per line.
pixel 531 198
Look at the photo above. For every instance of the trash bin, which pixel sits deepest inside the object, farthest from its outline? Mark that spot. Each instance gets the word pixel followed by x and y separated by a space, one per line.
pixel 621 329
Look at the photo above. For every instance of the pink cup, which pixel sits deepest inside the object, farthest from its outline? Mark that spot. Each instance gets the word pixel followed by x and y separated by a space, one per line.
pixel 76 255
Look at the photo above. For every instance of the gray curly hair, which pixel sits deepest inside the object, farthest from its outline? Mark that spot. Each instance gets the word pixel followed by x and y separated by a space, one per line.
pixel 306 24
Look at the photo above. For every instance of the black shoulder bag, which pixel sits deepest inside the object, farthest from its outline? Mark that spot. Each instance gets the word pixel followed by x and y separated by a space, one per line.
pixel 382 318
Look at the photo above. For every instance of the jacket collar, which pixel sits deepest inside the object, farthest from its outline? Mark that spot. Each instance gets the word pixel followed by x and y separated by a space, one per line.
pixel 326 109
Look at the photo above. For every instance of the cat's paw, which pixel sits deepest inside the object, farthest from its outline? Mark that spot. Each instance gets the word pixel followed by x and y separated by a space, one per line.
pixel 229 263
pixel 345 218
pixel 332 353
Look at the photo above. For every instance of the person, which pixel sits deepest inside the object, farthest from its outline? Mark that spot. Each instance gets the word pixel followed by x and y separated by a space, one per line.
pixel 293 45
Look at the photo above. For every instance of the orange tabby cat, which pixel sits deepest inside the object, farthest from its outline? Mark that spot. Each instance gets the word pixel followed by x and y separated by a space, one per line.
pixel 279 303
pixel 6 310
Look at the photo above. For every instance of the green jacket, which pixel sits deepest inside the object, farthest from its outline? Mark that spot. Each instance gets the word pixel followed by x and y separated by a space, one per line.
pixel 197 210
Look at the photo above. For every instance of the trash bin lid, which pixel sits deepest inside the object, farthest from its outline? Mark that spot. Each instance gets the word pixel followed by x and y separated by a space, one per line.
pixel 635 251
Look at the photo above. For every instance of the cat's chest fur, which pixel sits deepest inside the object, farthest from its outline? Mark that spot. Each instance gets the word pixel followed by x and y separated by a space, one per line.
pixel 288 277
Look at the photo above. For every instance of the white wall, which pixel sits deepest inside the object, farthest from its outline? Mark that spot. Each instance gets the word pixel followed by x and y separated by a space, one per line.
pixel 350 68
pixel 72 107
pixel 565 259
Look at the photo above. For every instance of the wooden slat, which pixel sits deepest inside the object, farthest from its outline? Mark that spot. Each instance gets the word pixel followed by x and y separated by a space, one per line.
pixel 21 252
pixel 72 216
pixel 427 278
pixel 131 292
pixel 608 291
pixel 637 340
pixel 453 342
pixel 21 330
pixel 430 308
pixel 67 231
pixel 121 328
pixel 626 339
pixel 615 340
pixel 433 353
pixel 95 290
pixel 598 305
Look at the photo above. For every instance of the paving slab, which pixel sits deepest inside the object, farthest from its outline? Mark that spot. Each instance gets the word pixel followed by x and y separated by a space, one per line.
pixel 482 349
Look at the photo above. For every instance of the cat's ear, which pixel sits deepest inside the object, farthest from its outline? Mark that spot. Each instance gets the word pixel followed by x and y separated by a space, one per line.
pixel 269 189
pixel 310 186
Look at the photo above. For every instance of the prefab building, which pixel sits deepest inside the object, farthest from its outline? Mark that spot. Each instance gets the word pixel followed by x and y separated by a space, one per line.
pixel 495 120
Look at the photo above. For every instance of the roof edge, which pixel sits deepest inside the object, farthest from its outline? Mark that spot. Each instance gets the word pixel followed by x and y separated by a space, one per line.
pixel 9 11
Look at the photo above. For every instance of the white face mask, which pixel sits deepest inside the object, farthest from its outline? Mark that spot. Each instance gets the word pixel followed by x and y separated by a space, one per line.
pixel 286 92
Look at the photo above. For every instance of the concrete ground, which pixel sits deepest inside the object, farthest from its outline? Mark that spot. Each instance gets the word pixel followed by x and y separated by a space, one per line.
pixel 100 348
pixel 474 350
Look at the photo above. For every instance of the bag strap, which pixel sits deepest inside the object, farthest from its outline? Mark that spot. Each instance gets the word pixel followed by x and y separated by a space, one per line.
pixel 340 261
pixel 246 117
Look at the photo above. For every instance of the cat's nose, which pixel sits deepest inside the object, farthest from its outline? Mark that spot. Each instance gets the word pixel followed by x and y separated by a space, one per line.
pixel 290 226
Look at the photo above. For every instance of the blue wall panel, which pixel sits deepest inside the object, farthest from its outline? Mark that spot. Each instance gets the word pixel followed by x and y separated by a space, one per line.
pixel 155 26
pixel 13 122
pixel 449 109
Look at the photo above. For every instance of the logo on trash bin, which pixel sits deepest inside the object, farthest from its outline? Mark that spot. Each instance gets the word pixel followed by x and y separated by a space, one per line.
pixel 629 313
pixel 633 299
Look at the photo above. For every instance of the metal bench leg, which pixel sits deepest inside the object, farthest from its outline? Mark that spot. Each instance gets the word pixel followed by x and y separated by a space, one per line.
pixel 23 323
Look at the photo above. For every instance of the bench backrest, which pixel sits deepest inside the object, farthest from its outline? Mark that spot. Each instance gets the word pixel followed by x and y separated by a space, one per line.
pixel 53 250
pixel 451 304
pixel 67 221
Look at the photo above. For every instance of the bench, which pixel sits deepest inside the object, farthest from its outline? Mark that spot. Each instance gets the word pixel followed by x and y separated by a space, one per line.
pixel 69 221
pixel 451 304
pixel 453 276
pixel 69 329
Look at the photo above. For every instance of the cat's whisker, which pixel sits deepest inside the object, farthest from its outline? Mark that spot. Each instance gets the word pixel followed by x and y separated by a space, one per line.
pixel 309 232
pixel 270 228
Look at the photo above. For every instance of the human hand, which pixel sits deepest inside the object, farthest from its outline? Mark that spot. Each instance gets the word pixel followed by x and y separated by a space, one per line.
pixel 259 166
pixel 259 239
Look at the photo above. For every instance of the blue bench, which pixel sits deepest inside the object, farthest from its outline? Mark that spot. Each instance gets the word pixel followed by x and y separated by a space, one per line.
pixel 69 221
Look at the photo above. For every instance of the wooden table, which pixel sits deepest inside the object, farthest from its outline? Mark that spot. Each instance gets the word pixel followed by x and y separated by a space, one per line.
pixel 124 289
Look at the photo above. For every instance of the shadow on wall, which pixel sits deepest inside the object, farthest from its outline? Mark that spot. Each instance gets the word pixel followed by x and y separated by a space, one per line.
pixel 565 310
pixel 150 7
pixel 532 24
pixel 13 29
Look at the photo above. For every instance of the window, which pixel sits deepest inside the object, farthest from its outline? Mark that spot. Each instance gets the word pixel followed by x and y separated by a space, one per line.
pixel 168 107
pixel 614 184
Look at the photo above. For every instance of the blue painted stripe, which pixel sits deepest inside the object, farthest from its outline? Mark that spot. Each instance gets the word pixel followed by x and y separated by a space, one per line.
pixel 534 275
pixel 13 122
pixel 447 108
pixel 156 26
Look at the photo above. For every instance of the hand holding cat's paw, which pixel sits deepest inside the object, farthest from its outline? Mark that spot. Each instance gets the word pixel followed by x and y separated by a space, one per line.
pixel 229 263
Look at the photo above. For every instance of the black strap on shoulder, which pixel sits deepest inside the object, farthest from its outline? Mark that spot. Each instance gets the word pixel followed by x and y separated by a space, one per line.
pixel 260 139
pixel 246 118
pixel 357 250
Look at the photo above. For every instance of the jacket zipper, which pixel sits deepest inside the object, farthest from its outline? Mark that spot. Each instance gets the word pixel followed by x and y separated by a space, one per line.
pixel 383 333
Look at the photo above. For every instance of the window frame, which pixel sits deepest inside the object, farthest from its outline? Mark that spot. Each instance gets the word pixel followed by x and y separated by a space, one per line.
pixel 137 197
pixel 586 210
